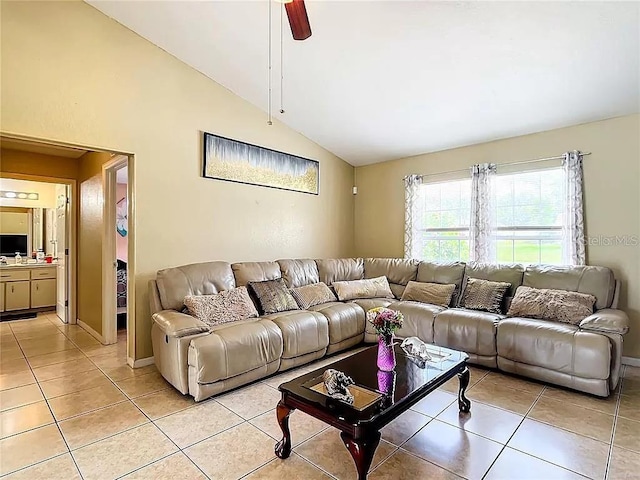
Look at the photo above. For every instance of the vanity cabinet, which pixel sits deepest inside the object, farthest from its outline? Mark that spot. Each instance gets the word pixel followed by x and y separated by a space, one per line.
pixel 17 295
pixel 43 293
pixel 24 288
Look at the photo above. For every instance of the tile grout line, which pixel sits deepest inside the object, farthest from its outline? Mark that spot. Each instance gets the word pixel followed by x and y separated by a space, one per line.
pixel 51 413
pixel 524 417
pixel 615 424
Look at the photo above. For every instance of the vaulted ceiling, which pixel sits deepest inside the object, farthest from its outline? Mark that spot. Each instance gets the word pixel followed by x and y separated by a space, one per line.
pixel 380 80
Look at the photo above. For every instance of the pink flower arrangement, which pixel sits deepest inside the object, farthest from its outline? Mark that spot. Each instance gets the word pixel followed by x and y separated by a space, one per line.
pixel 385 320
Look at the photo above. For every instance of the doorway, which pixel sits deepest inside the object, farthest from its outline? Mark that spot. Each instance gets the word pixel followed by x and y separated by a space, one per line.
pixel 117 300
pixel 35 244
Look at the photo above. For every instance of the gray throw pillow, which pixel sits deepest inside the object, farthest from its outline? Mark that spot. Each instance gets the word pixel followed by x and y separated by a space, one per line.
pixel 484 295
pixel 273 296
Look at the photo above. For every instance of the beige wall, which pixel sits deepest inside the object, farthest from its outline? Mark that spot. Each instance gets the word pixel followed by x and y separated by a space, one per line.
pixel 107 87
pixel 90 231
pixel 14 222
pixel 14 161
pixel 46 193
pixel 611 192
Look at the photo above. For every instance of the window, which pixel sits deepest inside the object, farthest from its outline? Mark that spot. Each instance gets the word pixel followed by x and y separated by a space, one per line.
pixel 529 216
pixel 444 214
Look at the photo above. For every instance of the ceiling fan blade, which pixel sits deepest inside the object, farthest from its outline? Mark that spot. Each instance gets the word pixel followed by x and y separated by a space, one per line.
pixel 298 19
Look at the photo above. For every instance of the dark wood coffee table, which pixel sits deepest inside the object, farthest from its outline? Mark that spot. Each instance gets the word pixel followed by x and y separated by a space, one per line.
pixel 360 429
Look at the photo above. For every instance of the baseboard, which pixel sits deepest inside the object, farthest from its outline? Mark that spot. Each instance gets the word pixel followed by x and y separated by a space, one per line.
pixel 143 362
pixel 631 361
pixel 90 331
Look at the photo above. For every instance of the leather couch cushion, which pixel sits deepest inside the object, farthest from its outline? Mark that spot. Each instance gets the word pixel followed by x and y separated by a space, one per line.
pixel 196 279
pixel 234 350
pixel 346 320
pixel 246 272
pixel 431 293
pixel 397 270
pixel 471 331
pixel 445 272
pixel 302 331
pixel 297 273
pixel 340 269
pixel 597 281
pixel 497 273
pixel 555 346
pixel 418 319
pixel 368 288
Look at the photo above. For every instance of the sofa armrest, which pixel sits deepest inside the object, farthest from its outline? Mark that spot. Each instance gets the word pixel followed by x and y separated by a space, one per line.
pixel 607 320
pixel 176 324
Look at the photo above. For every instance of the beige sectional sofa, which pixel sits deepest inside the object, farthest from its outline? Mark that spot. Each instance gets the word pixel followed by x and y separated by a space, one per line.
pixel 203 361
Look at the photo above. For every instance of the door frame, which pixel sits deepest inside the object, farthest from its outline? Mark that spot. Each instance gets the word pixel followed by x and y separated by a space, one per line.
pixel 109 253
pixel 71 227
pixel 131 265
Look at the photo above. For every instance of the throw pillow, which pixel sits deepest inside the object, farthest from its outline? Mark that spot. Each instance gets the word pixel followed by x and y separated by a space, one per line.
pixel 370 288
pixel 557 305
pixel 484 295
pixel 314 294
pixel 433 293
pixel 273 296
pixel 223 307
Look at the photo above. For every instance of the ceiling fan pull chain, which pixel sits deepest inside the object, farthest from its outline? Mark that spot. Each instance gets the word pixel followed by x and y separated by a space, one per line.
pixel 281 60
pixel 269 121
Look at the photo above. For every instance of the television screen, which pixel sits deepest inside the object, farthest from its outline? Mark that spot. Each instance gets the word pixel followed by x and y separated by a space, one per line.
pixel 10 244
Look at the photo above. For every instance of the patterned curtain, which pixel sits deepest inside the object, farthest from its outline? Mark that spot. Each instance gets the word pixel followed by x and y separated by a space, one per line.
pixel 411 243
pixel 482 247
pixel 573 228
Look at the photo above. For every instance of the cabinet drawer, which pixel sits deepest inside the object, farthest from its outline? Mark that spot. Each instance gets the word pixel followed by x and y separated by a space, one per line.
pixel 13 276
pixel 38 273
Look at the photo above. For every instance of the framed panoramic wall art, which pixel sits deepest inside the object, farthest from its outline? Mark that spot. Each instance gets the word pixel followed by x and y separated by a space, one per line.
pixel 234 161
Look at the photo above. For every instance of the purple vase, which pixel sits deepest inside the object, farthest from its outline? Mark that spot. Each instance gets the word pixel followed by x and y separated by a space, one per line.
pixel 386 354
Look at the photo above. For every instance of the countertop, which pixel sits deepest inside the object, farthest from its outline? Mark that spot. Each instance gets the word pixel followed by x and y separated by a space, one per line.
pixel 29 266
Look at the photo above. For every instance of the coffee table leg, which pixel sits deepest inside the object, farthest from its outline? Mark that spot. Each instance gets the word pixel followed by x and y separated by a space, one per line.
pixel 283 447
pixel 362 451
pixel 463 402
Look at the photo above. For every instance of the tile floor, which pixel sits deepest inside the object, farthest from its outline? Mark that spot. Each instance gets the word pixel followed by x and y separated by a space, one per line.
pixel 71 409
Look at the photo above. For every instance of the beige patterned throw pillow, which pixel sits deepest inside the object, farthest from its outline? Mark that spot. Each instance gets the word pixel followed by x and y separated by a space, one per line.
pixel 484 295
pixel 314 294
pixel 223 307
pixel 557 305
pixel 273 296
pixel 432 293
pixel 370 288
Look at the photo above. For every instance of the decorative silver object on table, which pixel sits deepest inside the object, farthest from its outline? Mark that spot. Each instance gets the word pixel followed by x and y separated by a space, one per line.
pixel 414 347
pixel 336 383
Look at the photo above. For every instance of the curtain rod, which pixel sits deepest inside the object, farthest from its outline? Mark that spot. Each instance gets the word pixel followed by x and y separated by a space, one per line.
pixel 557 157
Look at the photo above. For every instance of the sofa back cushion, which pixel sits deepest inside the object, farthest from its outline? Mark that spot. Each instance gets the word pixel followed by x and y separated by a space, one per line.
pixel 196 279
pixel 298 273
pixel 399 272
pixel 445 273
pixel 340 270
pixel 596 281
pixel 246 272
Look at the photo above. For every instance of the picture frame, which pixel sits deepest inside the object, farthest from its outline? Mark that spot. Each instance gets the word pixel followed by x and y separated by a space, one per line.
pixel 235 161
